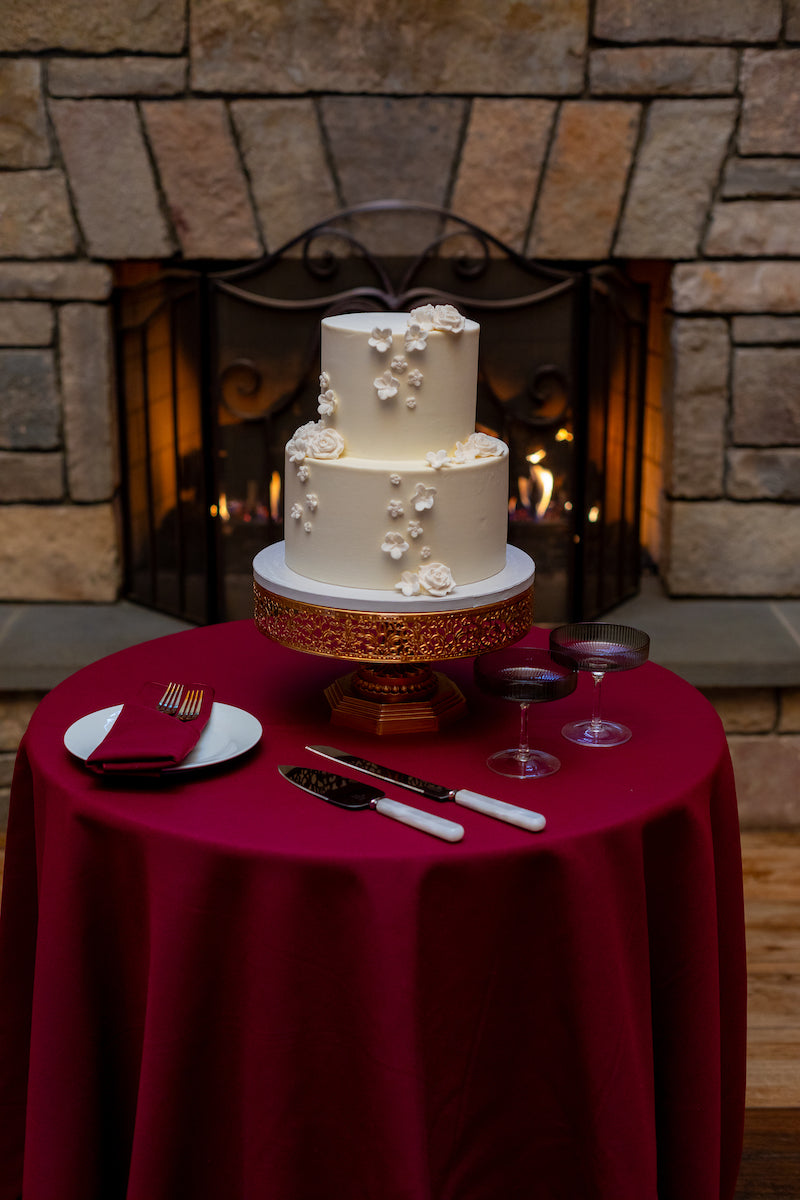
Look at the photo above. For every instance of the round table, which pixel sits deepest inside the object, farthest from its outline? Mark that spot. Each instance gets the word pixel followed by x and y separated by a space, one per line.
pixel 216 985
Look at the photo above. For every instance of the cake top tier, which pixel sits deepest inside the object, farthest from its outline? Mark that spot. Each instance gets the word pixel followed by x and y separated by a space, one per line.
pixel 397 385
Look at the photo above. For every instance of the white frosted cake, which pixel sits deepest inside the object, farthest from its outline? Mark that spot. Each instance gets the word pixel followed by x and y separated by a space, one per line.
pixel 392 488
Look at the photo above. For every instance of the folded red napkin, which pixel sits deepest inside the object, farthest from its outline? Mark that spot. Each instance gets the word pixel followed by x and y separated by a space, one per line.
pixel 145 740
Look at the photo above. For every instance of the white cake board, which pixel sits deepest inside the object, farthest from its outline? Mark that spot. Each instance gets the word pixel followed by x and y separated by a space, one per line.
pixel 271 572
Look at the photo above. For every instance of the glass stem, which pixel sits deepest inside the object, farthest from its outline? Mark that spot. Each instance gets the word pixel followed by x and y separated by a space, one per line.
pixel 524 748
pixel 596 723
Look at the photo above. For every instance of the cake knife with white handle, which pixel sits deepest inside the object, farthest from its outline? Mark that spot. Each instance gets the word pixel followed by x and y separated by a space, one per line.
pixel 512 814
pixel 350 793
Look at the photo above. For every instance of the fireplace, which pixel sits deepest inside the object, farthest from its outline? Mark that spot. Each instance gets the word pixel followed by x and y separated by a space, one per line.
pixel 217 368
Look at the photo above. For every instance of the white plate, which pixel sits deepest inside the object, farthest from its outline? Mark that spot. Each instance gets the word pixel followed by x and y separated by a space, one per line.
pixel 230 732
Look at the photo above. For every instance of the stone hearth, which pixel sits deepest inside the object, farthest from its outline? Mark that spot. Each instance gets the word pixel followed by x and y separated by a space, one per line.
pixel 215 130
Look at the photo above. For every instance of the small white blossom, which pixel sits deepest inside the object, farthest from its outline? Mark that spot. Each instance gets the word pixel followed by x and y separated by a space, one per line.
pixel 411 402
pixel 296 512
pixel 409 583
pixel 415 378
pixel 312 501
pixel 324 381
pixel 394 544
pixel 438 459
pixel 399 364
pixel 381 339
pixel 326 404
pixel 307 527
pixel 302 473
pixel 415 529
pixel 385 386
pixel 425 552
pixel 395 480
pixel 423 497
pixel 416 336
pixel 395 508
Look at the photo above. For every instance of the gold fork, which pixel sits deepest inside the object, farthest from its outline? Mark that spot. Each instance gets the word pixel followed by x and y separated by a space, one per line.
pixel 191 705
pixel 170 701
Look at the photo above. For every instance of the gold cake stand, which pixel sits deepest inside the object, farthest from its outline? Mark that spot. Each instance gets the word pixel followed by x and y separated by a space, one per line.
pixel 394 690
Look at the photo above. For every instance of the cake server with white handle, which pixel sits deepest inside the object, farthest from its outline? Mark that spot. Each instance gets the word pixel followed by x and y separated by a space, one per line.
pixel 512 814
pixel 350 793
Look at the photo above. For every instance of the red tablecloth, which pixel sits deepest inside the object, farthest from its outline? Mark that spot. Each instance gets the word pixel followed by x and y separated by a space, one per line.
pixel 220 987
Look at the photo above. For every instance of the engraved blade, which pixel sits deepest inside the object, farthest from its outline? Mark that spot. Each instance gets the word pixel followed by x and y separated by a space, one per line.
pixel 336 789
pixel 432 791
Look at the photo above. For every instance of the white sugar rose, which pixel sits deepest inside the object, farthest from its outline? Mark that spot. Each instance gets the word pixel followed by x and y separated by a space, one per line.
pixel 448 318
pixel 479 445
pixel 325 443
pixel 436 579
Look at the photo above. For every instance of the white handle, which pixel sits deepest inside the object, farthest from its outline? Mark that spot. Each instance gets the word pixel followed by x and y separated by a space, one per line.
pixel 438 826
pixel 510 813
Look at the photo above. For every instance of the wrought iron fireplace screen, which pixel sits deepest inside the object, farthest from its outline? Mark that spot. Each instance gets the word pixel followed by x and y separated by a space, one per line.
pixel 217 368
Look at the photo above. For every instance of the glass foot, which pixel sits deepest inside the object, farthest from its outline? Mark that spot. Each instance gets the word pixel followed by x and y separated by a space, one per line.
pixel 602 733
pixel 523 764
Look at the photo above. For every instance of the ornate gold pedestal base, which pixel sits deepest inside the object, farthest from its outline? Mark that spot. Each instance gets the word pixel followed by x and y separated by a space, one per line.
pixel 395 709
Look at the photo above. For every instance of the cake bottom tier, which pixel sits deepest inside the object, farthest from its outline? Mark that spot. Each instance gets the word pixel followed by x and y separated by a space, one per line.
pixel 365 524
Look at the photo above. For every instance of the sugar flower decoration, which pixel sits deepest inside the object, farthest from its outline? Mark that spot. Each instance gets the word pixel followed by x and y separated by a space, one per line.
pixel 399 364
pixel 448 318
pixel 423 497
pixel 436 579
pixel 385 386
pixel 440 316
pixel 416 336
pixel 296 512
pixel 415 529
pixel 381 339
pixel 415 378
pixel 438 459
pixel 324 443
pixel 394 544
pixel 423 316
pixel 395 508
pixel 311 502
pixel 307 527
pixel 326 404
pixel 479 445
pixel 409 583
pixel 302 473
pixel 324 381
pixel 425 552
pixel 411 402
pixel 395 480
pixel 297 446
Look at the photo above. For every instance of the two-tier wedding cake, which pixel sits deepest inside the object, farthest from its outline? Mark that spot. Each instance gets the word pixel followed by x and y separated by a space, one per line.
pixel 392 489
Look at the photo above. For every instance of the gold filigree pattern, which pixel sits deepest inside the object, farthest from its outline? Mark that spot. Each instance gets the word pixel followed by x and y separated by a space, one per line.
pixel 392 637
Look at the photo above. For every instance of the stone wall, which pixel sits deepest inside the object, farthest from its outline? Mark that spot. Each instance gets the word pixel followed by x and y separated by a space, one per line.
pixel 217 129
